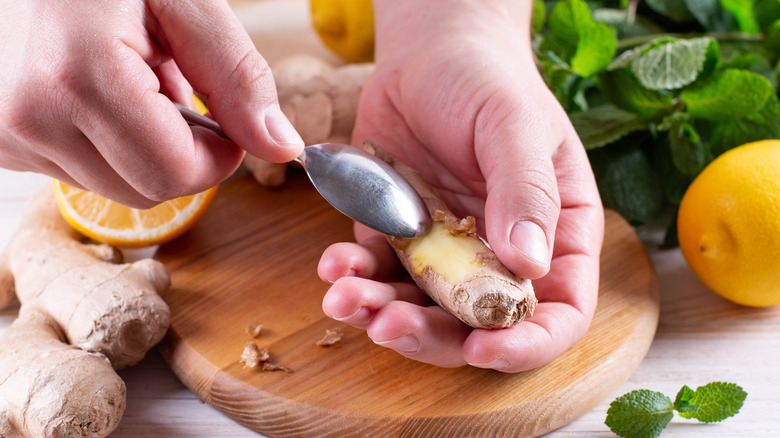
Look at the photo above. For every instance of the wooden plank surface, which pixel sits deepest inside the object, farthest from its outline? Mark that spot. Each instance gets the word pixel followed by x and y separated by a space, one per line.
pixel 252 259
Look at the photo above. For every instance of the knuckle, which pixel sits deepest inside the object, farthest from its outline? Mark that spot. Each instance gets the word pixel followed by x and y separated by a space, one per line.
pixel 251 71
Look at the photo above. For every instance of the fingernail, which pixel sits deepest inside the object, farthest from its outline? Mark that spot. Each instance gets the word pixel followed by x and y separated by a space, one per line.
pixel 361 312
pixel 404 344
pixel 280 128
pixel 529 238
pixel 497 364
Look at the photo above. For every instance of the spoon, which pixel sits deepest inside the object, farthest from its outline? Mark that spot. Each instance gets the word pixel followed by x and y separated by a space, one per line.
pixel 356 183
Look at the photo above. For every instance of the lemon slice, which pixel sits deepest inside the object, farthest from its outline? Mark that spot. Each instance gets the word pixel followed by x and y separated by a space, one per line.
pixel 106 221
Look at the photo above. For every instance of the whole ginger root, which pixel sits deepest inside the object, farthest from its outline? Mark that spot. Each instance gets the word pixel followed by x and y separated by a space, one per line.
pixel 82 316
pixel 320 100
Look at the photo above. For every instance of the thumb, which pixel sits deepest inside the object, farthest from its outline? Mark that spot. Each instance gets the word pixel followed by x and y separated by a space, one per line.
pixel 218 58
pixel 523 204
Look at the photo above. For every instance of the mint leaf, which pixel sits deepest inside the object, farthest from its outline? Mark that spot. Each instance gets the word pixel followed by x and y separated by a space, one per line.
pixel 587 45
pixel 772 39
pixel 727 95
pixel 627 182
pixel 766 11
pixel 742 10
pixel 676 63
pixel 644 413
pixel 760 125
pixel 689 153
pixel 715 402
pixel 603 124
pixel 640 414
pixel 755 63
pixel 627 58
pixel 682 403
pixel 565 19
pixel 538 15
pixel 711 15
pixel 621 88
pixel 675 10
pixel 595 49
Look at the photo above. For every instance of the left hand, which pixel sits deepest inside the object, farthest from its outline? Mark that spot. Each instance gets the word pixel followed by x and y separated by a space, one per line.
pixel 471 113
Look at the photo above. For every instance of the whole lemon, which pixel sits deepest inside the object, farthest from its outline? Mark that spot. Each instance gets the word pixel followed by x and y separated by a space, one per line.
pixel 729 224
pixel 346 27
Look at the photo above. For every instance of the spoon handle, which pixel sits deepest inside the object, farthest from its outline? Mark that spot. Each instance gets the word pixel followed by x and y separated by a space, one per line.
pixel 195 119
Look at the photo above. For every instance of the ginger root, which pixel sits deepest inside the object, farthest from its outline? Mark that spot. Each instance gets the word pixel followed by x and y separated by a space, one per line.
pixel 455 267
pixel 320 101
pixel 82 316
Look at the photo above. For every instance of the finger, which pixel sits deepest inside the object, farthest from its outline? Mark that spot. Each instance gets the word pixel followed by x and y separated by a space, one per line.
pixel 425 334
pixel 373 259
pixel 141 134
pixel 355 300
pixel 173 84
pixel 522 206
pixel 218 58
pixel 567 295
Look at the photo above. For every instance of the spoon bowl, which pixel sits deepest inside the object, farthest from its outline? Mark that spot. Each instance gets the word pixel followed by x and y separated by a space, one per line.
pixel 356 183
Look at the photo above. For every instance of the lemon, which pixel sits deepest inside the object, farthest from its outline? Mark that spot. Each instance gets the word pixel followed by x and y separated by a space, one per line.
pixel 729 224
pixel 107 221
pixel 346 27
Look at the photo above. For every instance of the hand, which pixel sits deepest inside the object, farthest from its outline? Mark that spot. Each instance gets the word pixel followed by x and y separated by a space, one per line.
pixel 86 89
pixel 459 98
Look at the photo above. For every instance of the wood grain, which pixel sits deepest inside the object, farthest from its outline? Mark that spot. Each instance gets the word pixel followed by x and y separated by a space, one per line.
pixel 252 259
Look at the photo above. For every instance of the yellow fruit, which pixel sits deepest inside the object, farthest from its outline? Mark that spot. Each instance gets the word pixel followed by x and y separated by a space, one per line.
pixel 346 27
pixel 106 221
pixel 729 224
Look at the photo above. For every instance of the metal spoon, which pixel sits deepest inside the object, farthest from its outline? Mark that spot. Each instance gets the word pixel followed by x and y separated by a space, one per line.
pixel 356 183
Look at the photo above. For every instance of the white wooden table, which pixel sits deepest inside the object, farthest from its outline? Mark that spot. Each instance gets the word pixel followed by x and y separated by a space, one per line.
pixel 701 338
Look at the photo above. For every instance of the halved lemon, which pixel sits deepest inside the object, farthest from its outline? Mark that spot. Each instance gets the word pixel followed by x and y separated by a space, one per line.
pixel 106 221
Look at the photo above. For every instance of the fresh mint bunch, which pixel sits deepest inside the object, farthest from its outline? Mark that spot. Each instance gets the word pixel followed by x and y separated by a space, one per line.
pixel 645 414
pixel 656 89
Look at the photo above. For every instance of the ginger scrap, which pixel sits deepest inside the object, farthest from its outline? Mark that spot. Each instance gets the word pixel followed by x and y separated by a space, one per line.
pixel 254 330
pixel 253 357
pixel 331 337
pixel 267 366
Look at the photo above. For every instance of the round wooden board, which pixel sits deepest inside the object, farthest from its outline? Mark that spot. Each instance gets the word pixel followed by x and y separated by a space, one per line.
pixel 252 260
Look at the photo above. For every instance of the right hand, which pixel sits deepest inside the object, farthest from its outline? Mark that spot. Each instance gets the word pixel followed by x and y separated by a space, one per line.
pixel 86 89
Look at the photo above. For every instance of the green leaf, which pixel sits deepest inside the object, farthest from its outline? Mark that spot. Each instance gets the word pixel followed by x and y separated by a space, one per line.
pixel 682 403
pixel 772 39
pixel 596 47
pixel 621 88
pixel 565 21
pixel 639 414
pixel 675 10
pixel 538 15
pixel 574 36
pixel 627 182
pixel 689 153
pixel 711 15
pixel 766 12
pixel 676 63
pixel 727 95
pixel 604 124
pixel 742 10
pixel 627 58
pixel 753 62
pixel 760 125
pixel 714 402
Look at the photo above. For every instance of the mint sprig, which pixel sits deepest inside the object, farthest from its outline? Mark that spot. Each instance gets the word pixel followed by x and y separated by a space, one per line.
pixel 661 86
pixel 644 414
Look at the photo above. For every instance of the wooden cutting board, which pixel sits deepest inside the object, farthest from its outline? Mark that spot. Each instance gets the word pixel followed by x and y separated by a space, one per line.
pixel 252 259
